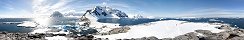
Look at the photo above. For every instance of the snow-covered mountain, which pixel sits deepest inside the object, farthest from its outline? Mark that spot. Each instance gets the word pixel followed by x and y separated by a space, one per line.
pixel 57 14
pixel 100 12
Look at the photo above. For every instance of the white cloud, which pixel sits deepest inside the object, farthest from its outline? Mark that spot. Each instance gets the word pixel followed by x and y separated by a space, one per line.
pixel 46 7
pixel 212 12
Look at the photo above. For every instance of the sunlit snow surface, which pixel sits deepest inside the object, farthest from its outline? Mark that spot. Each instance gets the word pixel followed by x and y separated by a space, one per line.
pixel 58 38
pixel 162 29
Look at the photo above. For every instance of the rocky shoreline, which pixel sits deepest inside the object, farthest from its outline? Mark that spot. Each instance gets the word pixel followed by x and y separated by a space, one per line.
pixel 26 36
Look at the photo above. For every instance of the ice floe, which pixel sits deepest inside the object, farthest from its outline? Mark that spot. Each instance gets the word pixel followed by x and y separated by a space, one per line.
pixel 28 24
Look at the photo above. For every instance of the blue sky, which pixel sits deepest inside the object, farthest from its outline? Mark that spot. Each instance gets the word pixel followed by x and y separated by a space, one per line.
pixel 161 8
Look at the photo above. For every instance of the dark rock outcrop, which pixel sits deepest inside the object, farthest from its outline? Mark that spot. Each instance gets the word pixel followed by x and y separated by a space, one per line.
pixel 188 36
pixel 204 32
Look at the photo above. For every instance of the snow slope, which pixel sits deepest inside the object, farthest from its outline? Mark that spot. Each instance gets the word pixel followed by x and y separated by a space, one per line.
pixel 162 29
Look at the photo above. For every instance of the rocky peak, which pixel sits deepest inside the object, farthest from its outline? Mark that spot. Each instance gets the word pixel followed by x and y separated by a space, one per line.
pixel 106 12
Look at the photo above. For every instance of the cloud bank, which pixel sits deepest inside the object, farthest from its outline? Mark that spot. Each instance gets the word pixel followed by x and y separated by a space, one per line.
pixel 213 12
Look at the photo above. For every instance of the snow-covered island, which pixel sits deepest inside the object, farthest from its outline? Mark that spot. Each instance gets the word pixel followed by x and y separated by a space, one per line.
pixel 88 27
